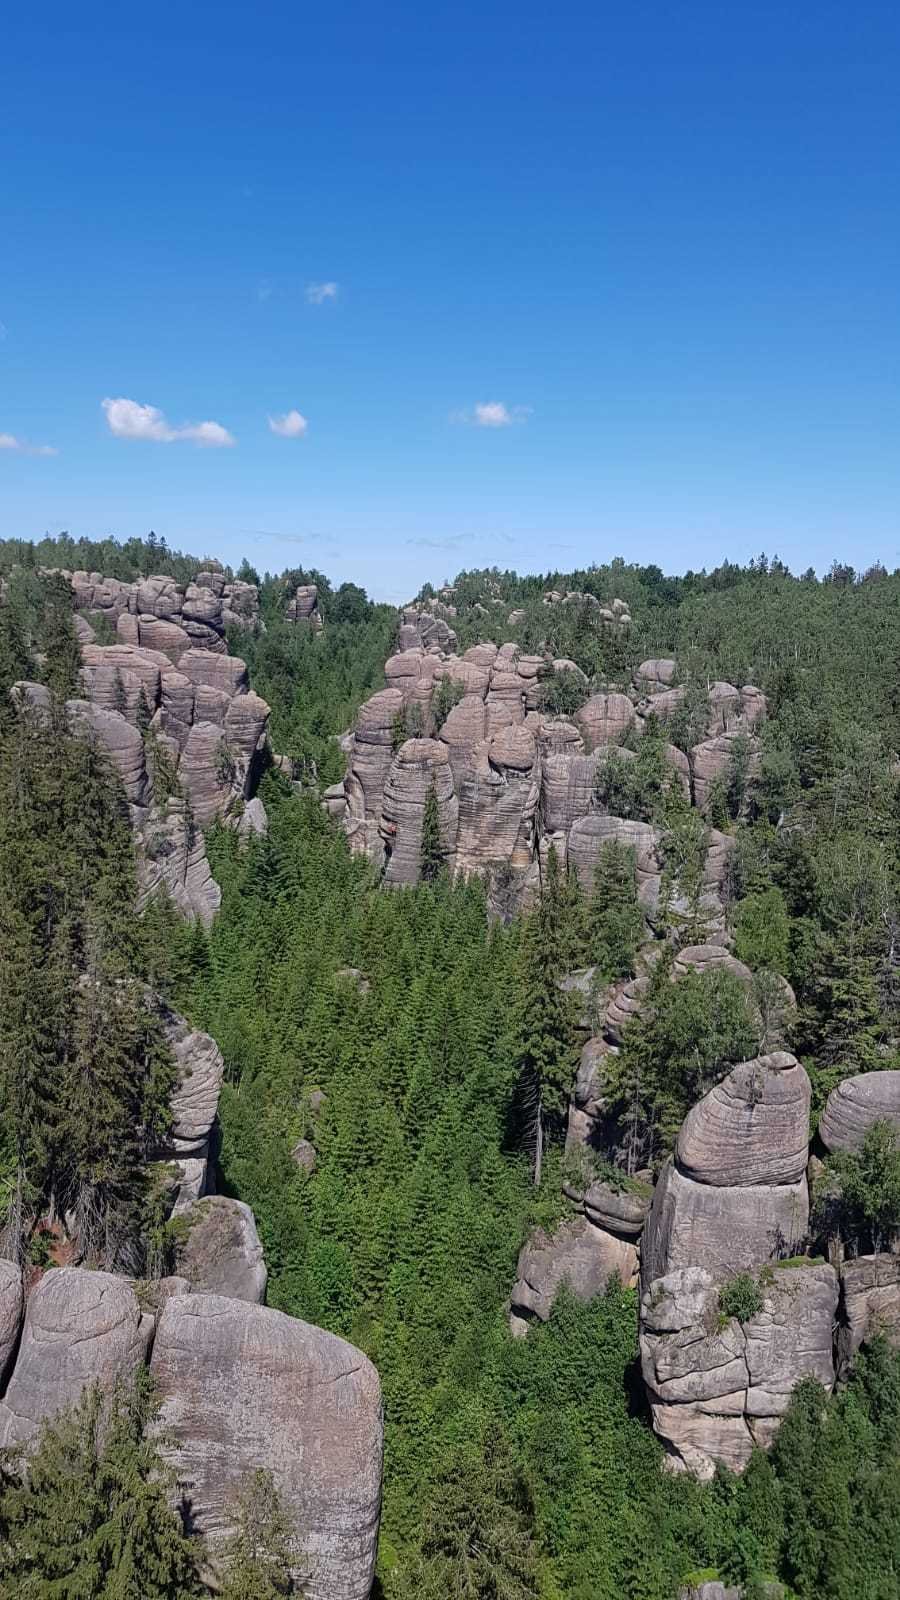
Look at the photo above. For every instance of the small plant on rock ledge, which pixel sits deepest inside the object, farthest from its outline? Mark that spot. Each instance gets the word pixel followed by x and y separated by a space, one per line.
pixel 741 1297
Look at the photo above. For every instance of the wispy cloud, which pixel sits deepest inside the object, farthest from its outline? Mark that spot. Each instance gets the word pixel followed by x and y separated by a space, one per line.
pixel 318 293
pixel 264 291
pixel 491 414
pixel 127 419
pixel 293 425
pixel 450 541
pixel 9 441
pixel 2 331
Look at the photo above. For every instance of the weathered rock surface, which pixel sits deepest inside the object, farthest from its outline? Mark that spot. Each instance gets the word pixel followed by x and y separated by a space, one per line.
pixel 870 1294
pixel 752 1128
pixel 200 1069
pixel 221 1251
pixel 716 1390
pixel 418 765
pixel 604 718
pixel 80 1327
pixel 855 1104
pixel 723 1229
pixel 577 1254
pixel 11 1309
pixel 242 1387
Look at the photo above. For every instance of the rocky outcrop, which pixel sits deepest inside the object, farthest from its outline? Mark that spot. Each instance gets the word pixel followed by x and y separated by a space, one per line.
pixel 80 1328
pixel 577 1254
pixel 752 1128
pixel 171 855
pixel 870 1297
pixel 855 1105
pixel 11 1309
pixel 724 1228
pixel 718 1386
pixel 193 1104
pixel 159 612
pixel 243 1387
pixel 419 766
pixel 220 1252
pixel 303 606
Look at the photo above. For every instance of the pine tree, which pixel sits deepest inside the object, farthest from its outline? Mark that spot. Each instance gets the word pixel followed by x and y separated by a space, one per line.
pixel 62 652
pixel 431 854
pixel 91 1519
pixel 545 1047
pixel 257 1562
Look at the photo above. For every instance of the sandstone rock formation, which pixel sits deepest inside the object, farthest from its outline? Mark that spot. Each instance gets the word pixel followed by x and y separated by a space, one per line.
pixel 242 1387
pixel 304 606
pixel 752 1128
pixel 521 778
pixel 11 1309
pixel 727 1228
pixel 221 1251
pixel 80 1328
pixel 855 1104
pixel 870 1296
pixel 577 1254
pixel 716 1386
pixel 199 611
pixel 200 1068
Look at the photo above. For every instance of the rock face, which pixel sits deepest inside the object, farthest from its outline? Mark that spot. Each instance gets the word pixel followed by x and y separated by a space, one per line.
pixel 242 1387
pixel 576 1254
pixel 855 1104
pixel 726 1229
pixel 80 1328
pixel 752 1128
pixel 521 777
pixel 717 1388
pixel 221 1253
pixel 202 610
pixel 870 1290
pixel 11 1308
pixel 200 1068
pixel 419 765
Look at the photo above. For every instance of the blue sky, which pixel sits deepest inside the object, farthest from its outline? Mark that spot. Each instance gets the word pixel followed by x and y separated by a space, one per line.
pixel 659 243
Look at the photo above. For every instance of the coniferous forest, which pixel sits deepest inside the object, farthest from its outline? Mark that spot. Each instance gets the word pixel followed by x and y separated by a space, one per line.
pixel 407 1034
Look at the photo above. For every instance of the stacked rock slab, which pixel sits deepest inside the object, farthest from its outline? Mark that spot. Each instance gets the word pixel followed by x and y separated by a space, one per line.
pixel 733 1199
pixel 520 778
pixel 303 606
pixel 194 1103
pixel 718 1387
pixel 578 1255
pixel 161 613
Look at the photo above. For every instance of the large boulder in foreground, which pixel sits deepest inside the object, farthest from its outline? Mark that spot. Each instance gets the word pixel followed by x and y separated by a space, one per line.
pixel 722 1229
pixel 855 1104
pixel 576 1254
pixel 243 1387
pixel 80 1327
pixel 221 1251
pixel 752 1128
pixel 11 1304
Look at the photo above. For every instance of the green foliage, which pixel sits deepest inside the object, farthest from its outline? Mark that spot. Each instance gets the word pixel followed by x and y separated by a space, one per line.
pixel 686 1039
pixel 431 854
pixel 740 1297
pixel 84 1073
pixel 563 693
pixel 90 1518
pixel 257 1561
pixel 614 919
pixel 448 694
pixel 762 931
pixel 860 1195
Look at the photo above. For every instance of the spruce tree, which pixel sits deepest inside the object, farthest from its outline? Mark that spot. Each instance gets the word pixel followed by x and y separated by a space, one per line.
pixel 90 1519
pixel 256 1563
pixel 431 855
pixel 545 1042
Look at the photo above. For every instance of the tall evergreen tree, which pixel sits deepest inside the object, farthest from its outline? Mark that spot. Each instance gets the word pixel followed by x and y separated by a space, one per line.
pixel 431 854
pixel 257 1562
pixel 90 1518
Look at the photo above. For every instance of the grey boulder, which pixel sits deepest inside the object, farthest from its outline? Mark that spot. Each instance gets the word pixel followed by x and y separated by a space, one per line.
pixel 221 1252
pixel 244 1387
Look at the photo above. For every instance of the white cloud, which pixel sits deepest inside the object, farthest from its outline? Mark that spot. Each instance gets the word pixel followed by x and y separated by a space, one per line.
pixel 318 293
pixel 127 419
pixel 492 414
pixel 8 441
pixel 291 426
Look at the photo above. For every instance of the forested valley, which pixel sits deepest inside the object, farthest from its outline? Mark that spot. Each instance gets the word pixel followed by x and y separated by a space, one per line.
pixel 398 1036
